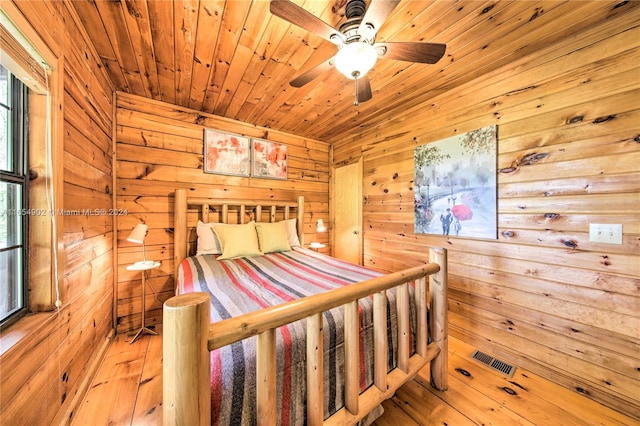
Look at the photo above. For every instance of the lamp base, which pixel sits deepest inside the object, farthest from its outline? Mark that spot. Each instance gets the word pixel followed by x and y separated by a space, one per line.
pixel 144 263
pixel 141 332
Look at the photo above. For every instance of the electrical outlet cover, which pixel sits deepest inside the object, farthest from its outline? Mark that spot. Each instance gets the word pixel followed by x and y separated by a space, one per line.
pixel 605 233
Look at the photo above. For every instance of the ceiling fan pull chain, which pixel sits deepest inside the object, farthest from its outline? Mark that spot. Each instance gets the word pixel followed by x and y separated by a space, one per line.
pixel 355 102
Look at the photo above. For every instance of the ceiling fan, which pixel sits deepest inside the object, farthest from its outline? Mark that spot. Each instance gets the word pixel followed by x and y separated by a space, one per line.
pixel 355 39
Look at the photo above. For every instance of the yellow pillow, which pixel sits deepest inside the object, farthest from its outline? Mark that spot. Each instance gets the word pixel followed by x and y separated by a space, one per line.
pixel 237 240
pixel 272 237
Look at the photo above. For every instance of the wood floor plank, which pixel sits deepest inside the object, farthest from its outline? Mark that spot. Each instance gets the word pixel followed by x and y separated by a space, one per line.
pixel 127 390
pixel 476 380
pixel 112 396
pixel 541 401
pixel 481 408
pixel 426 408
pixel 148 410
pixel 394 416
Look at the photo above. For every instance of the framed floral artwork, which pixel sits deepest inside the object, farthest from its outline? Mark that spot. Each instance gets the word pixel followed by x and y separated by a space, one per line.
pixel 226 153
pixel 269 159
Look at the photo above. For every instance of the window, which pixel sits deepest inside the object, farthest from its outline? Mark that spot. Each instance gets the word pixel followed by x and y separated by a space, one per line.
pixel 14 207
pixel 31 173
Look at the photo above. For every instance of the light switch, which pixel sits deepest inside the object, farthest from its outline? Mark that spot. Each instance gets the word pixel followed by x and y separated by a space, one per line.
pixel 605 233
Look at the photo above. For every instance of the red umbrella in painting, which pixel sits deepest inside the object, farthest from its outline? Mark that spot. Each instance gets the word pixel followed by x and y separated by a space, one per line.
pixel 462 212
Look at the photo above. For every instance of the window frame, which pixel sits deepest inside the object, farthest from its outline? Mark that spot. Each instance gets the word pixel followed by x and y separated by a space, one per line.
pixel 47 257
pixel 18 110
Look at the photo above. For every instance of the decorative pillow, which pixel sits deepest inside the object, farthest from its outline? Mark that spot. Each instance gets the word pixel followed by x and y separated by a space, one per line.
pixel 272 237
pixel 208 242
pixel 237 240
pixel 292 232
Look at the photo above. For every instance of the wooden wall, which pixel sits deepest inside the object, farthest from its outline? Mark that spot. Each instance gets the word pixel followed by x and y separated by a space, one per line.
pixel 541 295
pixel 160 148
pixel 45 357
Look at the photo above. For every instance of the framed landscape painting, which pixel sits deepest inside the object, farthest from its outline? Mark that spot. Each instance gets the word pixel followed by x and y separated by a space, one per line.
pixel 455 188
pixel 226 153
pixel 269 159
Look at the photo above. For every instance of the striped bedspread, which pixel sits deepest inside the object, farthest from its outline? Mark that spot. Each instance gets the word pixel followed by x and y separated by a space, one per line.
pixel 244 285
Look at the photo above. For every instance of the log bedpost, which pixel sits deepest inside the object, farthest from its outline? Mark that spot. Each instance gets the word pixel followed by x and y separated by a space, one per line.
pixel 266 373
pixel 380 344
pixel 186 395
pixel 315 370
pixel 404 327
pixel 300 221
pixel 351 357
pixel 179 229
pixel 423 312
pixel 439 311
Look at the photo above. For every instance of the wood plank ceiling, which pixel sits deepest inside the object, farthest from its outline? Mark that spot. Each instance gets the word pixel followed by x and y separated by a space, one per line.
pixel 233 58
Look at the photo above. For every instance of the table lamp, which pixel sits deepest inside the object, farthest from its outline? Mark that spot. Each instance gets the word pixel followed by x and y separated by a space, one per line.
pixel 319 228
pixel 137 236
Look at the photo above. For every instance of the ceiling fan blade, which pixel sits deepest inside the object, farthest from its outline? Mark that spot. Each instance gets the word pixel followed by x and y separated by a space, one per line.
pixel 312 73
pixel 295 14
pixel 363 89
pixel 426 53
pixel 376 14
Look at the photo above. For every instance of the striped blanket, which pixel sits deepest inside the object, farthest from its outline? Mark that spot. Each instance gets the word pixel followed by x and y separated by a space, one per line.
pixel 248 284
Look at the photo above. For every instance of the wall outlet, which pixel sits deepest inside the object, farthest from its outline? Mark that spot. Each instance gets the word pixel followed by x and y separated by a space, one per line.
pixel 605 233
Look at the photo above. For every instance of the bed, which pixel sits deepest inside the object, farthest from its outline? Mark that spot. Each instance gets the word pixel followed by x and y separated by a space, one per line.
pixel 332 339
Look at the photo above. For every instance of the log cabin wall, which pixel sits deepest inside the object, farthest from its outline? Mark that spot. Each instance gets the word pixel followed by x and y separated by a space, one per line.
pixel 541 295
pixel 160 148
pixel 46 357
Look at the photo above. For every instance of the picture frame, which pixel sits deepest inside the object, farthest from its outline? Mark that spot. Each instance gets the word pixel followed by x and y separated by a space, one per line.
pixel 269 159
pixel 226 153
pixel 455 185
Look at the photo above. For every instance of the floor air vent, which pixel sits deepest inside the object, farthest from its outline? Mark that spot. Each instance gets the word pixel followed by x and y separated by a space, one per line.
pixel 494 363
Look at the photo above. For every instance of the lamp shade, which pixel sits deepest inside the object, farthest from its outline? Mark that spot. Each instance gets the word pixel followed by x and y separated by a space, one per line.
pixel 320 226
pixel 138 234
pixel 355 59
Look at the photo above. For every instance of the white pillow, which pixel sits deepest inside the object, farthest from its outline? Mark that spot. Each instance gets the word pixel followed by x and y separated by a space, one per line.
pixel 292 232
pixel 208 242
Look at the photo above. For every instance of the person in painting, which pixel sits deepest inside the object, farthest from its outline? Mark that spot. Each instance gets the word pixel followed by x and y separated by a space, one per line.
pixel 457 226
pixel 446 220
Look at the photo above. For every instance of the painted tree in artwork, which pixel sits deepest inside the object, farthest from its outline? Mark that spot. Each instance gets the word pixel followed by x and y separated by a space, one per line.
pixel 425 158
pixel 426 155
pixel 480 141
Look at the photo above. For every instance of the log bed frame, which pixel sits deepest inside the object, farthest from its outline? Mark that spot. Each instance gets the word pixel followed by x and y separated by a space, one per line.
pixel 188 335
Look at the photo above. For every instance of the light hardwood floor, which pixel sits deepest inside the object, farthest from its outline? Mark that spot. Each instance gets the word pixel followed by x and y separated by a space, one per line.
pixel 127 390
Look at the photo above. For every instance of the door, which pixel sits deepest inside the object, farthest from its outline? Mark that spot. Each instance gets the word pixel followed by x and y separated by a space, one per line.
pixel 347 229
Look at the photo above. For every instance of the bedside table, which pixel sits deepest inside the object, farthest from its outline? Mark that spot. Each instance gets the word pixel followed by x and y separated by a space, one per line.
pixel 143 267
pixel 315 246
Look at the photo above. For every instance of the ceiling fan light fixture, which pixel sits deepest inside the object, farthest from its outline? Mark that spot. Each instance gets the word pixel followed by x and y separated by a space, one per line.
pixel 356 59
pixel 368 33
